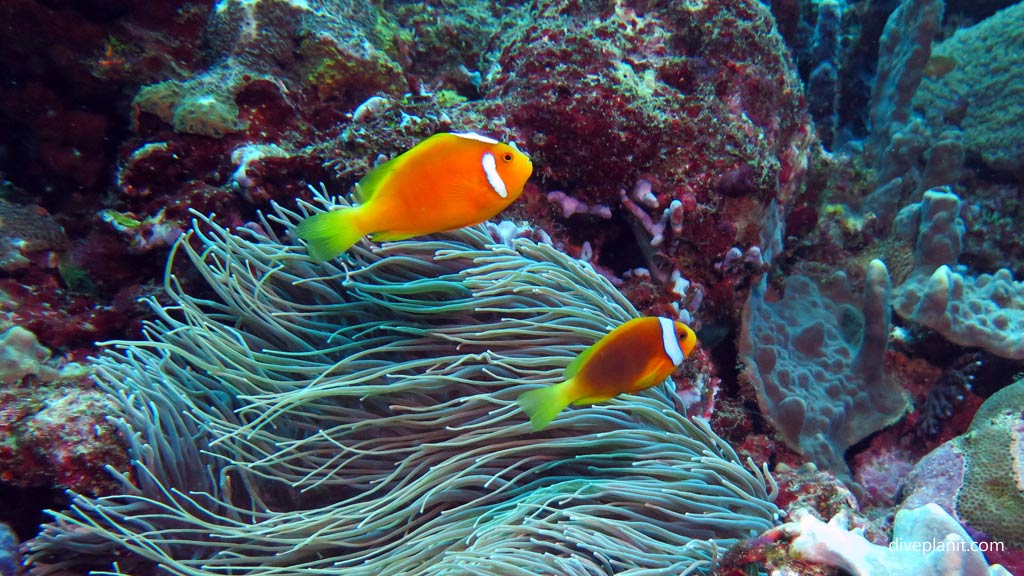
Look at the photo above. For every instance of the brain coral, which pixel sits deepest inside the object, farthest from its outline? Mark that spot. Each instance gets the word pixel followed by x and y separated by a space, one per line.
pixel 204 105
pixel 979 476
pixel 992 497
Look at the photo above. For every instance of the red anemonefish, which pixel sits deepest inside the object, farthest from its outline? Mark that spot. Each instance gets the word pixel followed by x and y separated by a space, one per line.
pixel 635 356
pixel 445 182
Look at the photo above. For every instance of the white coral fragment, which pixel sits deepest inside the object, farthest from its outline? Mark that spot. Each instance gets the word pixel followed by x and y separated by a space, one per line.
pixel 926 541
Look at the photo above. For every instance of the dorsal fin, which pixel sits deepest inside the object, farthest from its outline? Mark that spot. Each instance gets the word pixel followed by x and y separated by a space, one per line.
pixel 578 362
pixel 475 136
pixel 369 184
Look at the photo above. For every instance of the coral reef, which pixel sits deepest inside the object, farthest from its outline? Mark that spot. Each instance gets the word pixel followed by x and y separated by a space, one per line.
pixel 448 42
pixel 992 497
pixel 947 393
pixel 898 140
pixel 990 242
pixel 879 469
pixel 616 99
pixel 63 105
pixel 807 487
pixel 903 51
pixel 359 416
pixel 236 105
pixel 21 355
pixel 53 427
pixel 23 231
pixel 679 173
pixel 816 360
pixel 823 80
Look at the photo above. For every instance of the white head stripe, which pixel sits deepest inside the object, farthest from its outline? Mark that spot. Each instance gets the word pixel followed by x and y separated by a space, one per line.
pixel 475 136
pixel 493 178
pixel 670 341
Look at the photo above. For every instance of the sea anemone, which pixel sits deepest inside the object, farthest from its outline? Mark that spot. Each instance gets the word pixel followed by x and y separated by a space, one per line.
pixel 359 415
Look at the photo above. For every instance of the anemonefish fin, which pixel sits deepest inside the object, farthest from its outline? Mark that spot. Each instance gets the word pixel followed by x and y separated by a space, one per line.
pixel 371 182
pixel 592 400
pixel 330 234
pixel 475 136
pixel 389 236
pixel 543 404
pixel 574 367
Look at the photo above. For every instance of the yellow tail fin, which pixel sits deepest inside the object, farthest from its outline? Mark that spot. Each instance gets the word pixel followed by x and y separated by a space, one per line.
pixel 543 404
pixel 330 234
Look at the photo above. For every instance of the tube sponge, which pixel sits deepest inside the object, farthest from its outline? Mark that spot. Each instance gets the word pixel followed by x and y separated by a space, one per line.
pixel 815 358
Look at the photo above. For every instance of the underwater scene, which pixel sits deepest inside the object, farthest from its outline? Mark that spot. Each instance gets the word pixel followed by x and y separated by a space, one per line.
pixel 511 288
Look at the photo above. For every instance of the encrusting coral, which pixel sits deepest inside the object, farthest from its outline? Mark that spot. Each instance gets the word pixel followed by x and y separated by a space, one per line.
pixel 981 91
pixel 360 415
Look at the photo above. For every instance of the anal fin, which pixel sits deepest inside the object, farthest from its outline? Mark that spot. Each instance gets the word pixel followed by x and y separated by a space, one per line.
pixel 593 400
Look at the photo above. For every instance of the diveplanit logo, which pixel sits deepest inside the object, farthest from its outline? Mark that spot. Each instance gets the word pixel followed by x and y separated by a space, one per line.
pixel 951 543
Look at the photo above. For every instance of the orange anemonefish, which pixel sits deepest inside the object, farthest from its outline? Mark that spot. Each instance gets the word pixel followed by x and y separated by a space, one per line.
pixel 635 356
pixel 445 182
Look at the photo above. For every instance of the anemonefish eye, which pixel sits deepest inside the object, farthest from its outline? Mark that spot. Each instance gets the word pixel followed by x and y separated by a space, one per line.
pixel 507 157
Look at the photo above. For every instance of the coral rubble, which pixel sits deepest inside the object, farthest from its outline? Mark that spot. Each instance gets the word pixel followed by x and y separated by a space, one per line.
pixel 926 541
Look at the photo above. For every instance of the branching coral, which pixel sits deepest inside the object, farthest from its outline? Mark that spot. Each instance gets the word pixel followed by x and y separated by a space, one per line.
pixel 360 415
